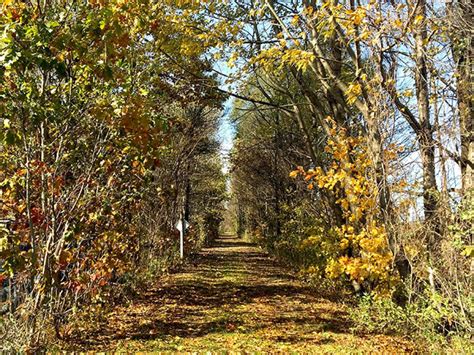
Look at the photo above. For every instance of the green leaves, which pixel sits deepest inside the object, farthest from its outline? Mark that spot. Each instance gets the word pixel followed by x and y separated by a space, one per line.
pixel 468 251
pixel 10 137
pixel 7 134
pixel 51 25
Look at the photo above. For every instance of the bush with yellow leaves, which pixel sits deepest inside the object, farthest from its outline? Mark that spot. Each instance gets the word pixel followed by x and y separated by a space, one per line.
pixel 361 253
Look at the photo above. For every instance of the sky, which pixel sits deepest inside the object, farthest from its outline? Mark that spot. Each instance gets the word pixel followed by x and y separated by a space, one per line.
pixel 225 134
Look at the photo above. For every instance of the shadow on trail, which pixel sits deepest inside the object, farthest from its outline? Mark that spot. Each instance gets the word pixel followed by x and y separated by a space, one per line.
pixel 211 296
pixel 228 287
pixel 230 242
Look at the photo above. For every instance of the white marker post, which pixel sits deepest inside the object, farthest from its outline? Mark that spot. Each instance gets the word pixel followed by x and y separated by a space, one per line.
pixel 181 225
pixel 181 239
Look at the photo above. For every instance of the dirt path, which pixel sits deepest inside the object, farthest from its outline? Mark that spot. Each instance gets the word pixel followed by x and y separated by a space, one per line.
pixel 234 298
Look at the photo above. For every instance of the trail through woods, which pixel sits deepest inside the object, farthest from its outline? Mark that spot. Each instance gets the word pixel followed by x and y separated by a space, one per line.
pixel 233 297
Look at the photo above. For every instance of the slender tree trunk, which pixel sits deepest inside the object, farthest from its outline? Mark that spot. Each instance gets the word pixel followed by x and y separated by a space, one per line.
pixel 277 178
pixel 187 199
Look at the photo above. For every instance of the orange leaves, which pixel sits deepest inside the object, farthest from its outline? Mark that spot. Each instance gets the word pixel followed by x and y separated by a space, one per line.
pixel 308 176
pixel 75 195
pixel 64 259
pixel 100 278
pixel 37 216
pixel 12 9
pixel 21 172
pixel 298 171
pixel 98 3
pixel 355 17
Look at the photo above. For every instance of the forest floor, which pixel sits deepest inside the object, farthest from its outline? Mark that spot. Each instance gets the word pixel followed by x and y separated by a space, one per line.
pixel 233 298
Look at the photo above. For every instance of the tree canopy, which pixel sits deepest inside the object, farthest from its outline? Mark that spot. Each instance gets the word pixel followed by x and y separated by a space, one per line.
pixel 353 158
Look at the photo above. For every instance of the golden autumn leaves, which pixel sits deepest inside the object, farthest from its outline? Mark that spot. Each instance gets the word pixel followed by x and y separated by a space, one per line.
pixel 100 85
pixel 359 246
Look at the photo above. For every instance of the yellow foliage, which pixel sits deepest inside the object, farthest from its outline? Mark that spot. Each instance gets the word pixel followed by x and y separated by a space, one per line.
pixel 277 57
pixel 353 92
pixel 294 173
pixel 361 250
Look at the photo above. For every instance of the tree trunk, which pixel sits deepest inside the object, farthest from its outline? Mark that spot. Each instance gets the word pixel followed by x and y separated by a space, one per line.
pixel 463 52
pixel 425 134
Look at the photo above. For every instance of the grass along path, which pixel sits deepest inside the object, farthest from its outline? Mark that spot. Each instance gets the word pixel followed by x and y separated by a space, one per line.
pixel 233 298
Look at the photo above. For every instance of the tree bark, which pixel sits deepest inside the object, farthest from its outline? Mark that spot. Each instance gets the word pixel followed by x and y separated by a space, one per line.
pixel 425 132
pixel 461 14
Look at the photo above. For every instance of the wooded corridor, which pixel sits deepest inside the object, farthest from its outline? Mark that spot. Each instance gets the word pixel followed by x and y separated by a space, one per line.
pixel 236 176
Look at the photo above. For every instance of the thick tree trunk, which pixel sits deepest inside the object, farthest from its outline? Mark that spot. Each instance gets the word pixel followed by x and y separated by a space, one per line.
pixel 427 147
pixel 466 118
pixel 460 17
pixel 425 134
